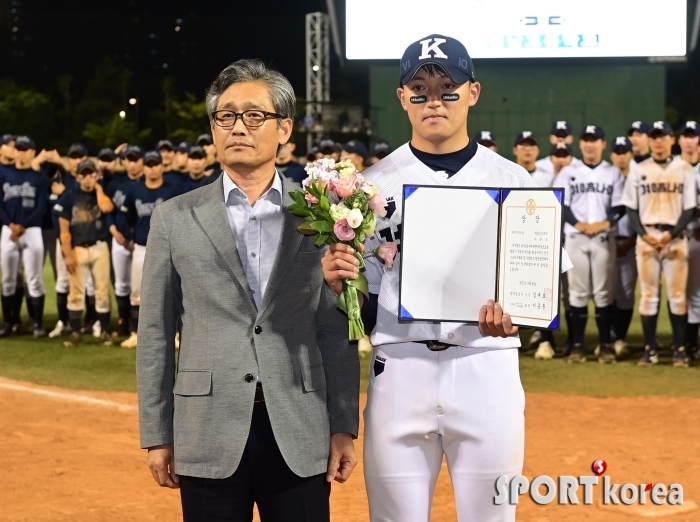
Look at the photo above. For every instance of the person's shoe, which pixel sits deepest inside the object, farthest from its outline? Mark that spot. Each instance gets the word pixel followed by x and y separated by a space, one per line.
pixel 39 332
pixel 649 357
pixel 131 342
pixel 73 340
pixel 606 354
pixel 544 351
pixel 535 338
pixel 680 358
pixel 87 327
pixel 578 354
pixel 6 330
pixel 105 339
pixel 60 330
pixel 96 329
pixel 122 329
pixel 596 352
pixel 620 348
pixel 694 352
pixel 566 350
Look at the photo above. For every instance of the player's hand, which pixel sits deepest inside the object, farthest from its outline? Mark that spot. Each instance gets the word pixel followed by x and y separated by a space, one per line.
pixel 161 462
pixel 338 263
pixel 341 458
pixel 129 245
pixel 119 237
pixel 665 239
pixel 495 323
pixel 582 227
pixel 120 148
pixel 71 265
pixel 651 240
pixel 57 188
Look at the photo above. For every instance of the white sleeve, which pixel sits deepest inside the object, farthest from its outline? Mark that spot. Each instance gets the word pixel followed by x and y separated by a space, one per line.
pixel 618 189
pixel 630 196
pixel 690 195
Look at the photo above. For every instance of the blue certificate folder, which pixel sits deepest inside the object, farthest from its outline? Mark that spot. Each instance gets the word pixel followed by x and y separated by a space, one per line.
pixel 461 246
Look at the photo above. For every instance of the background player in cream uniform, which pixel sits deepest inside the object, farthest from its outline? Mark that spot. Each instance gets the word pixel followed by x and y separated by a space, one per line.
pixel 660 196
pixel 436 388
pixel 591 207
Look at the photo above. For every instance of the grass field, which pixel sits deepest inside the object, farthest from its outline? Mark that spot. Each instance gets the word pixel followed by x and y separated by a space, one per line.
pixel 92 367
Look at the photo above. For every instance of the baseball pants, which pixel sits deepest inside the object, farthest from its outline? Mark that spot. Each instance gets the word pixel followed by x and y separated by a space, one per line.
pixel 464 403
pixel 63 277
pixel 625 280
pixel 121 263
pixel 139 256
pixel 693 292
pixel 30 248
pixel 48 236
pixel 93 260
pixel 594 266
pixel 673 260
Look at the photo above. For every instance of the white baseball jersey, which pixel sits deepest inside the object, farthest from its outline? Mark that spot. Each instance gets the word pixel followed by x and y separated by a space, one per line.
pixel 695 223
pixel 661 193
pixel 590 192
pixel 545 164
pixel 485 169
pixel 542 178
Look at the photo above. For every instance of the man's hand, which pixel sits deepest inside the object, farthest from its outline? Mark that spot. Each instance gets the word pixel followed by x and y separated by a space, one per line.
pixel 664 240
pixel 118 236
pixel 129 245
pixel 598 227
pixel 342 459
pixel 161 462
pixel 71 265
pixel 493 322
pixel 16 231
pixel 339 264
pixel 582 227
pixel 651 240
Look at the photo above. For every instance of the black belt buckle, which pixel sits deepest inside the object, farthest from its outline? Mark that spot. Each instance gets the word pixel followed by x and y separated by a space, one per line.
pixel 259 395
pixel 435 346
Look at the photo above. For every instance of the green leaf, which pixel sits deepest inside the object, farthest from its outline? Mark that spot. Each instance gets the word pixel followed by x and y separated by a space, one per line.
pixel 322 226
pixel 306 229
pixel 360 284
pixel 298 210
pixel 320 240
pixel 325 204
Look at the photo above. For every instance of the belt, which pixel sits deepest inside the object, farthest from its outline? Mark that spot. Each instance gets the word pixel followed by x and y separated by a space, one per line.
pixel 87 244
pixel 435 346
pixel 663 228
pixel 259 395
pixel 622 238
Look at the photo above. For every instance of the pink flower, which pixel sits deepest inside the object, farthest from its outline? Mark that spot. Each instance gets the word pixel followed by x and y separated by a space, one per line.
pixel 310 197
pixel 386 252
pixel 343 230
pixel 378 204
pixel 344 186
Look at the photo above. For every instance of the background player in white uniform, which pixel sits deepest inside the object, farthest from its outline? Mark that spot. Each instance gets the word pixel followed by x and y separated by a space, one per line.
pixel 638 133
pixel 426 377
pixel 690 152
pixel 625 262
pixel 660 196
pixel 591 207
pixel 561 132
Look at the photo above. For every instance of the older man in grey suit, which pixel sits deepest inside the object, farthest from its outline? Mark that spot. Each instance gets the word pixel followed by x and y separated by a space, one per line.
pixel 263 406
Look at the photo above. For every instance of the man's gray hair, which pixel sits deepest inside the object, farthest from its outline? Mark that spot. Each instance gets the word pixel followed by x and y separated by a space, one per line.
pixel 281 91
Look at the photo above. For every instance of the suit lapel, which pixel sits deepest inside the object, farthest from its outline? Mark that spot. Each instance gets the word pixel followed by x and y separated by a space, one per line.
pixel 290 239
pixel 212 216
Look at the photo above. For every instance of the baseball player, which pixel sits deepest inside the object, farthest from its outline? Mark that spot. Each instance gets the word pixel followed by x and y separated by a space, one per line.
pixel 425 376
pixel 561 132
pixel 195 176
pixel 166 149
pixel 181 156
pixel 141 200
pixel 286 162
pixel 592 206
pixel 8 152
pixel 84 235
pixel 122 247
pixel 380 151
pixel 625 262
pixel 23 200
pixel 690 152
pixel 355 151
pixel 661 200
pixel 328 149
pixel 638 133
pixel 207 143
pixel 487 139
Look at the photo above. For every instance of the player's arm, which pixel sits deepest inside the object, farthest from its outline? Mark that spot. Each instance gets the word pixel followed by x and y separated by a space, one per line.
pixel 67 244
pixel 103 200
pixel 570 218
pixel 4 216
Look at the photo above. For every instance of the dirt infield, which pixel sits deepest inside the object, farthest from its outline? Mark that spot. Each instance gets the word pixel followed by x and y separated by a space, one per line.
pixel 68 460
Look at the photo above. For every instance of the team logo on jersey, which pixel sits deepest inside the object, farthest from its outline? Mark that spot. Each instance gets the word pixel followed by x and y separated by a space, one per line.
pixel 583 188
pixel 390 208
pixel 427 48
pixel 661 187
pixel 644 178
pixel 379 363
pixel 146 209
pixel 25 190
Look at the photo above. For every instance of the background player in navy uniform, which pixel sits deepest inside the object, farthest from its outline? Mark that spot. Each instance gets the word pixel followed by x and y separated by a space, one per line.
pixel 106 166
pixel 593 191
pixel 196 166
pixel 286 162
pixel 487 139
pixel 625 261
pixel 166 149
pixel 213 167
pixel 355 151
pixel 121 247
pixel 23 200
pixel 689 142
pixel 638 133
pixel 136 210
pixel 380 151
pixel 181 152
pixel 7 149
pixel 84 237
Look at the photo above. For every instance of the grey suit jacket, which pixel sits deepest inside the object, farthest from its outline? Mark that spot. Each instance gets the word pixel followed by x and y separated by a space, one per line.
pixel 309 370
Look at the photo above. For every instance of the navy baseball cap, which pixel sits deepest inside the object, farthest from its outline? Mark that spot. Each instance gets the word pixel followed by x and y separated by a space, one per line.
pixel 152 157
pixel 77 150
pixel 134 153
pixel 621 143
pixel 122 153
pixel 526 136
pixel 106 154
pixel 24 143
pixel 660 128
pixel 327 146
pixel 690 127
pixel 196 152
pixel 638 126
pixel 165 144
pixel 561 129
pixel 485 137
pixel 357 147
pixel 86 166
pixel 593 131
pixel 6 138
pixel 311 155
pixel 204 139
pixel 436 49
pixel 561 150
pixel 381 150
pixel 184 147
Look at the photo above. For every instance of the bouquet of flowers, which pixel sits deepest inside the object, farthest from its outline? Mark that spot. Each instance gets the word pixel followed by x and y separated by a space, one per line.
pixel 339 206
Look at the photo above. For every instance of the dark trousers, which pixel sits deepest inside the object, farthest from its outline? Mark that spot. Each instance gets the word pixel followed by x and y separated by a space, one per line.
pixel 262 478
pixel 48 235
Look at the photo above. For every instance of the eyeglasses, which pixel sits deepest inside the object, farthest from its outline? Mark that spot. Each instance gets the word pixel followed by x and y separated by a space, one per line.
pixel 251 119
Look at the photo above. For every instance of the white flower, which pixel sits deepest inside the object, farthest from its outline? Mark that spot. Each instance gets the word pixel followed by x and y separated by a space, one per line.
pixel 369 188
pixel 354 217
pixel 339 212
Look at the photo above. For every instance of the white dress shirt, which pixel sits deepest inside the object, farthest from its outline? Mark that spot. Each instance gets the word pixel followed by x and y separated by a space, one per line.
pixel 257 231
